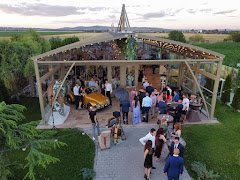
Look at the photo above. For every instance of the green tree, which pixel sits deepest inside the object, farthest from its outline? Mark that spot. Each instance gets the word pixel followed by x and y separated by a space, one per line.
pixel 176 36
pixel 55 42
pixel 15 57
pixel 17 136
pixel 236 99
pixel 235 36
pixel 69 40
pixel 196 39
pixel 227 89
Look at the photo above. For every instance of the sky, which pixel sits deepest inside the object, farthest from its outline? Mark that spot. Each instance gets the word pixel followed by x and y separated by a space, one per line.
pixel 169 14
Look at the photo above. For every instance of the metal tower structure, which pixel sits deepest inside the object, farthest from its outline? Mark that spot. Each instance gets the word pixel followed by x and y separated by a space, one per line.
pixel 123 22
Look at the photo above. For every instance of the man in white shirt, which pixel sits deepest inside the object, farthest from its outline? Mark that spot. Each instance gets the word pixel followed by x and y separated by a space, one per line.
pixel 108 89
pixel 76 95
pixel 145 84
pixel 150 136
pixel 185 104
pixel 146 105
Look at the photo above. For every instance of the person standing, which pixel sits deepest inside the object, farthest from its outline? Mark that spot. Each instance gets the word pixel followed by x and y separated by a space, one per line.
pixel 150 136
pixel 154 102
pixel 136 115
pixel 95 124
pixel 125 105
pixel 76 90
pixel 103 89
pixel 146 105
pixel 185 104
pixel 160 140
pixel 108 88
pixel 162 106
pixel 148 155
pixel 174 166
pixel 176 144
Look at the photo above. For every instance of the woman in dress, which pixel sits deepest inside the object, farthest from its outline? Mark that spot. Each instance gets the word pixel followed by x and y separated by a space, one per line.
pixel 160 140
pixel 136 115
pixel 148 154
pixel 133 93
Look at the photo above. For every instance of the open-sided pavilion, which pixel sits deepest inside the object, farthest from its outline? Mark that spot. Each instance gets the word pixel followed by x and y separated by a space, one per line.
pixel 187 61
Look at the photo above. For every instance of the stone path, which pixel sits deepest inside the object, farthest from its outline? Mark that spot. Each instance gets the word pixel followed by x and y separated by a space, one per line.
pixel 125 160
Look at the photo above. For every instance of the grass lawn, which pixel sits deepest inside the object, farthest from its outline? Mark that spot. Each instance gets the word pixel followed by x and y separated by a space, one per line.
pixel 216 145
pixel 229 49
pixel 78 153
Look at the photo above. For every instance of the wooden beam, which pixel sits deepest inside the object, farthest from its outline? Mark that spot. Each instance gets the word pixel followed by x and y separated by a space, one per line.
pixel 48 74
pixel 117 62
pixel 207 74
pixel 64 79
pixel 215 89
pixel 198 86
pixel 39 89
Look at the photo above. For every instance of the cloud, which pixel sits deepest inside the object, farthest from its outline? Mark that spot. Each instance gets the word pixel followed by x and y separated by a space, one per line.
pixel 160 14
pixel 155 15
pixel 225 12
pixel 191 11
pixel 205 10
pixel 39 9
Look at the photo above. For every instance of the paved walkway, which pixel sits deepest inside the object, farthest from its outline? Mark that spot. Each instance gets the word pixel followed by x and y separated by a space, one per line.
pixel 125 160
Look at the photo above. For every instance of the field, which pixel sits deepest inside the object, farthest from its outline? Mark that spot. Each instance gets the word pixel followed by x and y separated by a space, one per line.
pixel 231 50
pixel 83 35
pixel 211 38
pixel 216 145
pixel 48 35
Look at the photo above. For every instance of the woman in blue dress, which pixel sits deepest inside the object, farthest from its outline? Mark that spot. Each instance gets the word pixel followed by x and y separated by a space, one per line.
pixel 136 115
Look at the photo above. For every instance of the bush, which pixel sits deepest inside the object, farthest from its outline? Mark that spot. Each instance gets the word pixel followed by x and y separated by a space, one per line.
pixel 87 173
pixel 202 173
pixel 236 100
pixel 196 39
pixel 235 36
pixel 227 90
pixel 176 36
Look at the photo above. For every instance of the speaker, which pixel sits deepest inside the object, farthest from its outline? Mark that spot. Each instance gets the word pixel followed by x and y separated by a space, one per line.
pixel 116 114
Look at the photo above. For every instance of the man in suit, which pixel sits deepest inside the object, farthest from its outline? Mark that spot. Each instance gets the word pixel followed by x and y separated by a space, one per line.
pixel 125 105
pixel 176 144
pixel 174 166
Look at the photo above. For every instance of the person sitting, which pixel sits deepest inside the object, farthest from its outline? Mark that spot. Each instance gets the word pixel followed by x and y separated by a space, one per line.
pixel 162 106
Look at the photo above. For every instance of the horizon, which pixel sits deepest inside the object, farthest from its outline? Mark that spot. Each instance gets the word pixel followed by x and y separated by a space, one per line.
pixel 57 14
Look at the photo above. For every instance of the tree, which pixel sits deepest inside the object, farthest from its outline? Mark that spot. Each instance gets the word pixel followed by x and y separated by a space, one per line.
pixel 15 57
pixel 227 89
pixel 236 99
pixel 196 38
pixel 235 36
pixel 17 136
pixel 4 96
pixel 176 36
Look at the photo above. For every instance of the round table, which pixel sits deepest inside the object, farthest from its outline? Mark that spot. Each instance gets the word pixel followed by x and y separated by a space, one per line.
pixel 193 114
pixel 168 117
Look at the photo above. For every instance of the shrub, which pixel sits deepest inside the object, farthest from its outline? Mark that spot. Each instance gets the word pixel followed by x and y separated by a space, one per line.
pixel 202 173
pixel 196 39
pixel 87 173
pixel 227 89
pixel 176 36
pixel 236 100
pixel 235 36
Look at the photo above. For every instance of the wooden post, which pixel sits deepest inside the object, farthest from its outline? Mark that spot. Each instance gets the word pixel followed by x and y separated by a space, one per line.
pixel 136 75
pixel 180 72
pixel 109 73
pixel 215 89
pixel 39 89
pixel 123 75
pixel 199 88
